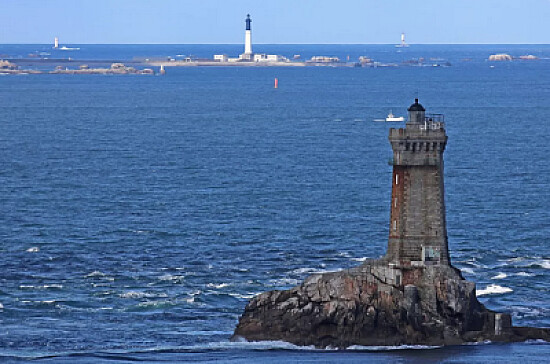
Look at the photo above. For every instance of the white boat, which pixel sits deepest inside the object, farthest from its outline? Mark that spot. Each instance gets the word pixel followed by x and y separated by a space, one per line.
pixel 392 117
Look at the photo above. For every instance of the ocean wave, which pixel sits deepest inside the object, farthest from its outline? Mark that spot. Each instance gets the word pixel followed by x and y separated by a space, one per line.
pixel 138 294
pixel 391 347
pixel 519 274
pixel 171 278
pixel 529 262
pixel 192 296
pixel 220 285
pixel 310 271
pixel 45 286
pixel 95 273
pixel 156 304
pixel 243 296
pixel 362 259
pixel 283 282
pixel 500 276
pixel 99 275
pixel 468 270
pixel 493 289
pixel 40 302
pixel 242 344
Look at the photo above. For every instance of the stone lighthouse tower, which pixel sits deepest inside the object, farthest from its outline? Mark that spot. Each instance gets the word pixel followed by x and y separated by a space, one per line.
pixel 418 232
pixel 248 37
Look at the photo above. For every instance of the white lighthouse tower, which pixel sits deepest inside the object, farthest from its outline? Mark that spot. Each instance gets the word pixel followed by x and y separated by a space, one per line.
pixel 403 44
pixel 248 38
pixel 56 42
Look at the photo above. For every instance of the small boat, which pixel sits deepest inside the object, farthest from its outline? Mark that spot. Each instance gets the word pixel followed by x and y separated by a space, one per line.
pixel 392 117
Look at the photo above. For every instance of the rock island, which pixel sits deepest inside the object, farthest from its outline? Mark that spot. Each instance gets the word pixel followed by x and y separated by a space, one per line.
pixel 411 296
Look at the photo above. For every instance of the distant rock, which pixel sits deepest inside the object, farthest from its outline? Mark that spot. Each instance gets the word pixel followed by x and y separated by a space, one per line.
pixel 7 65
pixel 500 57
pixel 529 57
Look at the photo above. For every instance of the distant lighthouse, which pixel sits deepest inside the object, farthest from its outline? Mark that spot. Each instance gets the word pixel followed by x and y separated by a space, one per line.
pixel 248 36
pixel 56 42
pixel 403 43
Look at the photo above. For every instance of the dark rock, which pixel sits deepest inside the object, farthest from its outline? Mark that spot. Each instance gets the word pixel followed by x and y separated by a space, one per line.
pixel 365 306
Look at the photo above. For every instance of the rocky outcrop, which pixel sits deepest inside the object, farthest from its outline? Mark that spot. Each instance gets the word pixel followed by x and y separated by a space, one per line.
pixel 500 57
pixel 379 304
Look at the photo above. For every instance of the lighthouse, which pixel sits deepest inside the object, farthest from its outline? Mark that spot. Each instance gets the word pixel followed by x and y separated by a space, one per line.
pixel 418 231
pixel 248 36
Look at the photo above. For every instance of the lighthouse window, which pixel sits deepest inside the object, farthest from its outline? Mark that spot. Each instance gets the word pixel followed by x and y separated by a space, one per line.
pixel 430 254
pixel 396 179
pixel 395 202
pixel 394 225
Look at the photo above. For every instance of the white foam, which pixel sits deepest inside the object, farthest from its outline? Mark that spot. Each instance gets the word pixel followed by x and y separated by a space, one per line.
pixel 525 274
pixel 95 273
pixel 283 282
pixel 545 263
pixel 310 270
pixel 391 347
pixel 243 296
pixel 468 270
pixel 45 286
pixel 192 295
pixel 493 289
pixel 33 249
pixel 53 286
pixel 1 306
pixel 137 294
pixel 156 303
pixel 500 276
pixel 362 259
pixel 516 259
pixel 172 278
pixel 220 285
pixel 242 343
pixel 257 345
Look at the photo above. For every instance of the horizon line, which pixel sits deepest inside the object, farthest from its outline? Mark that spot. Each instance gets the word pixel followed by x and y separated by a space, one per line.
pixel 240 44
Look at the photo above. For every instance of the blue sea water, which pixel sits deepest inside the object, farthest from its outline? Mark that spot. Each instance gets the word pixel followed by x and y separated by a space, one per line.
pixel 139 214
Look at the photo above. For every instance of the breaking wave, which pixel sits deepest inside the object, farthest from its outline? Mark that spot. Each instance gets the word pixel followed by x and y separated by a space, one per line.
pixel 493 289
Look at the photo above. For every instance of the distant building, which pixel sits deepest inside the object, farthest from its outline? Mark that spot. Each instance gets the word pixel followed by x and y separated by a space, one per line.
pixel 324 59
pixel 248 55
pixel 260 57
pixel 221 57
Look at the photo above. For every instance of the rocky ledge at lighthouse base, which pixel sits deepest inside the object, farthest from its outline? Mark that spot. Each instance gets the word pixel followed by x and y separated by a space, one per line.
pixel 379 303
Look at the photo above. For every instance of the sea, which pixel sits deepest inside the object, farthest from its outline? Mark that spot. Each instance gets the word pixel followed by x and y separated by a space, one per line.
pixel 139 214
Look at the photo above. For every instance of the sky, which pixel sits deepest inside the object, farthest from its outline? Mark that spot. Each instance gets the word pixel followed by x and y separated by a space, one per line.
pixel 275 21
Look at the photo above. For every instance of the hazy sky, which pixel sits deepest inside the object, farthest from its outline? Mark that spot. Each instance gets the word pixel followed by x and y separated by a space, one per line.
pixel 275 21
